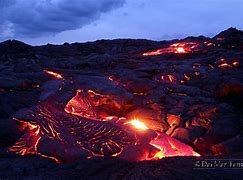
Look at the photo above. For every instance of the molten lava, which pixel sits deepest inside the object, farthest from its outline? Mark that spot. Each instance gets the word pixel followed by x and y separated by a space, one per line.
pixel 226 64
pixel 171 147
pixel 235 63
pixel 28 143
pixel 179 48
pixel 82 105
pixel 168 78
pixel 55 75
pixel 137 124
pixel 78 131
pixel 167 145
pixel 209 43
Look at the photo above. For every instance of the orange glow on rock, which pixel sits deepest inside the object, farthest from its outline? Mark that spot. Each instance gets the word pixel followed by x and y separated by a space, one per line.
pixel 159 155
pixel 167 145
pixel 82 105
pixel 225 65
pixel 33 135
pixel 53 126
pixel 178 48
pixel 154 53
pixel 137 124
pixel 171 147
pixel 54 74
pixel 236 63
pixel 168 78
pixel 220 39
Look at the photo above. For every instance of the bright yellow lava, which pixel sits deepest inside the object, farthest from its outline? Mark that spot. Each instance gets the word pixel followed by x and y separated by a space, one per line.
pixel 56 75
pixel 159 155
pixel 180 50
pixel 137 124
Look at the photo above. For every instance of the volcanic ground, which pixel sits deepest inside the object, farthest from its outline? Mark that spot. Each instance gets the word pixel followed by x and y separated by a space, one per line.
pixel 121 109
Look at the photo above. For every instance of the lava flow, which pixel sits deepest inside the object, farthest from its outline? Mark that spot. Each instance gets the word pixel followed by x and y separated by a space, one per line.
pixel 178 48
pixel 79 130
pixel 54 74
pixel 168 78
pixel 226 64
pixel 167 145
pixel 137 124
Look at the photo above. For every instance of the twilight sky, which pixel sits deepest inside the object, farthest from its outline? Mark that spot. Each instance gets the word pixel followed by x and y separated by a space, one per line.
pixel 58 21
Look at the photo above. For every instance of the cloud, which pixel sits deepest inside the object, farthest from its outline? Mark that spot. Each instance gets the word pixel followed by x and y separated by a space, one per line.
pixel 35 18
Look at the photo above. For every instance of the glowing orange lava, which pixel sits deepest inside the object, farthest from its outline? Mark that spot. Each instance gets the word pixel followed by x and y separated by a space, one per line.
pixel 167 145
pixel 33 134
pixel 220 39
pixel 171 147
pixel 82 105
pixel 209 43
pixel 168 78
pixel 179 48
pixel 227 64
pixel 56 75
pixel 154 53
pixel 137 124
pixel 235 63
pixel 89 135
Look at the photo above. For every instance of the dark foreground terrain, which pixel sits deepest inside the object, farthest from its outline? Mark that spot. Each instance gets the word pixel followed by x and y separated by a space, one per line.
pixel 190 89
pixel 168 168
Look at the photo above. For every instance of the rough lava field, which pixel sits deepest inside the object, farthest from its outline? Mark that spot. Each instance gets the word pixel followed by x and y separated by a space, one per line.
pixel 121 109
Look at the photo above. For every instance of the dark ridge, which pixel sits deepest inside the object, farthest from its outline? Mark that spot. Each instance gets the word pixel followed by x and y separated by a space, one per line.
pixel 230 33
pixel 14 46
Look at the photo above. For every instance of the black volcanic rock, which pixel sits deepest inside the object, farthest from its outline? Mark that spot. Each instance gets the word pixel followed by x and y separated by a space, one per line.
pixel 230 33
pixel 9 132
pixel 231 37
pixel 195 97
pixel 14 46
